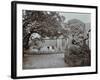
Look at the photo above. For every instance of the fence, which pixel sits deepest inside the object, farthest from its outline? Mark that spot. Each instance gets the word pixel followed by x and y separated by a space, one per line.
pixel 50 46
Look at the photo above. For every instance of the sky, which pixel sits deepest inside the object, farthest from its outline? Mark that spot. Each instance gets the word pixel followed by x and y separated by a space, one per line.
pixel 84 17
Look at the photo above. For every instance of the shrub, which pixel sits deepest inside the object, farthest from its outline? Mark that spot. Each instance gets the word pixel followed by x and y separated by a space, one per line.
pixel 78 56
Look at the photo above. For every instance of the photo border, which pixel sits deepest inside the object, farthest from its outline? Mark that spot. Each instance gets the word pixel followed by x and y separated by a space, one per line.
pixel 14 38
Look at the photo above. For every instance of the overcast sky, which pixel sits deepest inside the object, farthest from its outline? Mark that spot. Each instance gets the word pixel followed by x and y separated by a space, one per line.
pixel 84 17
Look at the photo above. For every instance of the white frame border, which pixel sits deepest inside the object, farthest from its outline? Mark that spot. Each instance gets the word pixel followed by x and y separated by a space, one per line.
pixel 50 71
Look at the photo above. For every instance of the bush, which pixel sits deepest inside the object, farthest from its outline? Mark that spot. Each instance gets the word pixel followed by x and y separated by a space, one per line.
pixel 78 56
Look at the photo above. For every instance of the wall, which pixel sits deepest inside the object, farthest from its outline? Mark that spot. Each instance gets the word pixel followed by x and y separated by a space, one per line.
pixel 5 40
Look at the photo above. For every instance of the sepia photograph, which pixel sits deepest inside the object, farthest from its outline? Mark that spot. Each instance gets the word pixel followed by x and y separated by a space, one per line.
pixel 56 39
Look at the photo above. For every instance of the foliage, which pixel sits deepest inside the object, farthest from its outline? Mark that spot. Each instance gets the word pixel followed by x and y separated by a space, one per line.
pixel 78 56
pixel 47 24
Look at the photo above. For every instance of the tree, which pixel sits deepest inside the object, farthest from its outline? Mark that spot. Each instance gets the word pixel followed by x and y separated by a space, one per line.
pixel 47 24
pixel 78 52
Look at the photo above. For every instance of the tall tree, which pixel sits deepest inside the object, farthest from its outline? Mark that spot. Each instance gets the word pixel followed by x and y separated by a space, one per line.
pixel 47 24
